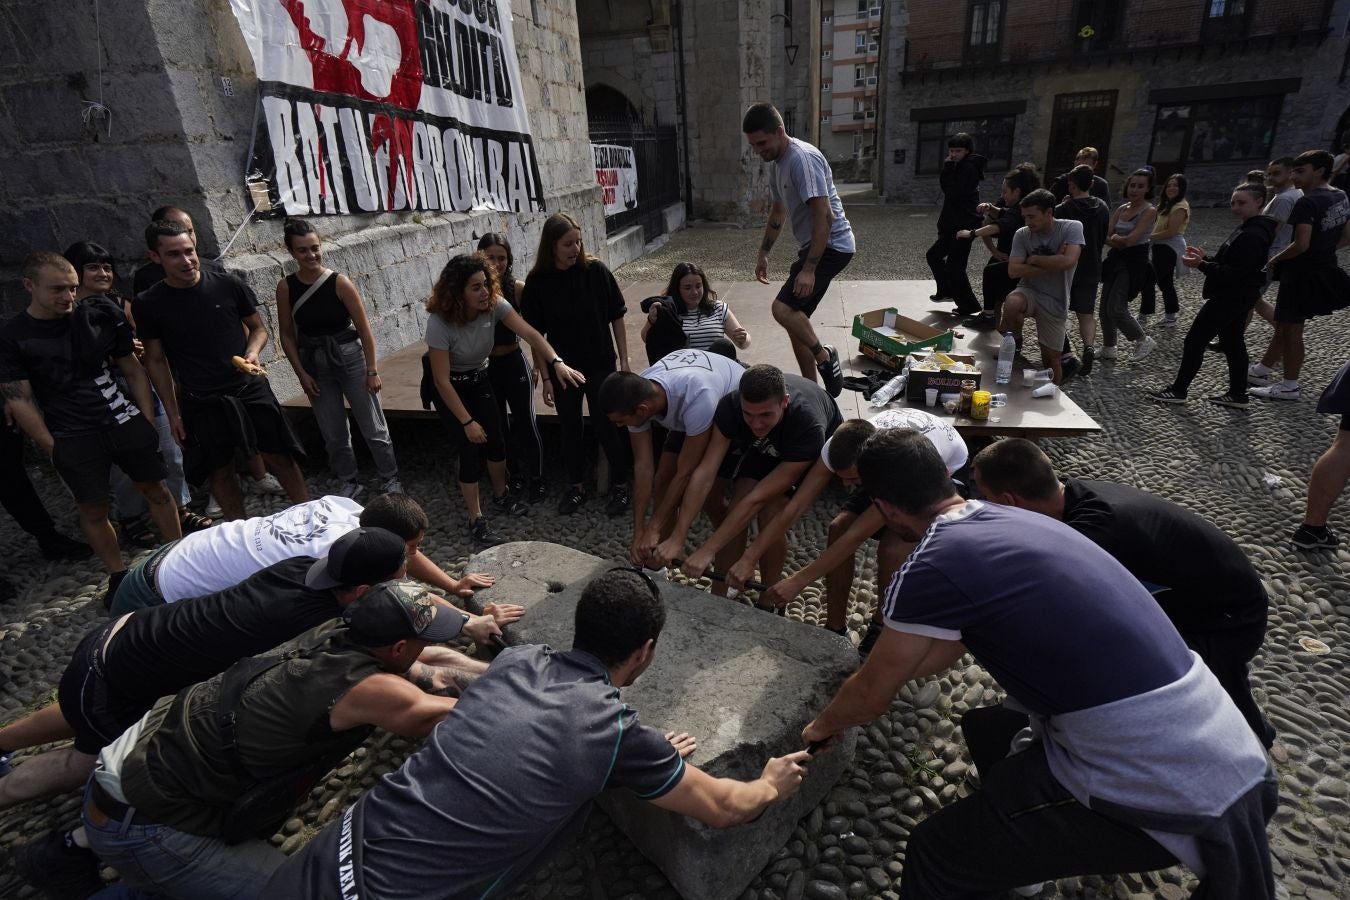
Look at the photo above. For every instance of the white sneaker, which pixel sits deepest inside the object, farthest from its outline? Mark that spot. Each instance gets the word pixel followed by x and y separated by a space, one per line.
pixel 352 489
pixel 1108 353
pixel 1143 348
pixel 1277 392
pixel 213 510
pixel 267 484
pixel 1030 890
pixel 393 486
pixel 1256 376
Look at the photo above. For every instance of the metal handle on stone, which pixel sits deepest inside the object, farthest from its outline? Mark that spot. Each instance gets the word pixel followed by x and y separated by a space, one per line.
pixel 718 576
pixel 814 747
pixel 497 642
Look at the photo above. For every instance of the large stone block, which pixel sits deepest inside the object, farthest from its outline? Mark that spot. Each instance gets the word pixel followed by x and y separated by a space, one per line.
pixel 742 682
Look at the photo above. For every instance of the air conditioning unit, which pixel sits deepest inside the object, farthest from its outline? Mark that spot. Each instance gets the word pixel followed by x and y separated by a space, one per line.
pixel 874 12
pixel 871 114
pixel 871 79
pixel 872 47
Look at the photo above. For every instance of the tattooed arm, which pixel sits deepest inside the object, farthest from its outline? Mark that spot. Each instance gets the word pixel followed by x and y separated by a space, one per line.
pixel 21 409
pixel 443 681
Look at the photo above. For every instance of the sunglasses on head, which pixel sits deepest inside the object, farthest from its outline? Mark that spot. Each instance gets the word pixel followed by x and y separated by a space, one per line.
pixel 647 579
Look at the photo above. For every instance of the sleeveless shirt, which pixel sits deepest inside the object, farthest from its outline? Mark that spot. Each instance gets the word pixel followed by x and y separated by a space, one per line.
pixel 323 313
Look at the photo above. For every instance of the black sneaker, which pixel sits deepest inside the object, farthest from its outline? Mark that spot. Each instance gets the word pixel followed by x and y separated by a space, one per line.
pixel 1230 401
pixel 57 546
pixel 508 505
pixel 869 640
pixel 831 372
pixel 619 502
pixel 516 487
pixel 482 532
pixel 1167 395
pixel 538 491
pixel 114 580
pixel 1070 366
pixel 1315 537
pixel 1089 357
pixel 571 501
pixel 58 868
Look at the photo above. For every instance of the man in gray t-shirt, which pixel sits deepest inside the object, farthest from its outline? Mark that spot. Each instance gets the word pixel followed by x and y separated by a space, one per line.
pixel 802 189
pixel 1044 255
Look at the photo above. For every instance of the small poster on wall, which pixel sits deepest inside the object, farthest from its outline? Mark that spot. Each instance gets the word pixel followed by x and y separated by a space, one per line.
pixel 616 172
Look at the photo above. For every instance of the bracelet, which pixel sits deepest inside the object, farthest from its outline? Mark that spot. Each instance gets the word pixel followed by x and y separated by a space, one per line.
pixel 466 424
pixel 371 373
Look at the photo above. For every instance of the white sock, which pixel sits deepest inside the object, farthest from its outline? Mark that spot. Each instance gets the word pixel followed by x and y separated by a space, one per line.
pixel 1290 383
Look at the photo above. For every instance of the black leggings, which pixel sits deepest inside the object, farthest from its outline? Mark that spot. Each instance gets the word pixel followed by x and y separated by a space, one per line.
pixel 481 404
pixel 1164 274
pixel 947 259
pixel 1227 320
pixel 997 284
pixel 17 495
pixel 616 446
pixel 513 386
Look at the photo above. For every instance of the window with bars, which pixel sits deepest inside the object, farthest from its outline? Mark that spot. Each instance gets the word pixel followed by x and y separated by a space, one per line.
pixel 984 33
pixel 993 137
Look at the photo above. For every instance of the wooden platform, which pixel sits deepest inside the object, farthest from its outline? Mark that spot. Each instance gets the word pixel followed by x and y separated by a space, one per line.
pixel 750 301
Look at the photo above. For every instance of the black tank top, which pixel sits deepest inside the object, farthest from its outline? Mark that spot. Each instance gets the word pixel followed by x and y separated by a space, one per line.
pixel 178 773
pixel 502 334
pixel 323 313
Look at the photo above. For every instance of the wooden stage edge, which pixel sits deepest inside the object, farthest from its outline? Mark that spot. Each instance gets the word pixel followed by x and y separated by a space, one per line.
pixel 1024 416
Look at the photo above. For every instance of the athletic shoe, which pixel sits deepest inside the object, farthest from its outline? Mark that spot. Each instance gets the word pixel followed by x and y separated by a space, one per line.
pixel 114 580
pixel 509 506
pixel 1216 347
pixel 538 491
pixel 516 487
pixel 59 547
pixel 571 501
pixel 1109 353
pixel 1143 348
pixel 831 372
pixel 1277 392
pixel 1315 537
pixel 1167 395
pixel 1142 319
pixel 1089 357
pixel 1260 378
pixel 1069 367
pixel 1030 890
pixel 869 640
pixel 1230 401
pixel 1169 320
pixel 352 490
pixel 482 533
pixel 4 764
pixel 619 502
pixel 267 484
pixel 213 510
pixel 392 486
pixel 58 868
pixel 136 531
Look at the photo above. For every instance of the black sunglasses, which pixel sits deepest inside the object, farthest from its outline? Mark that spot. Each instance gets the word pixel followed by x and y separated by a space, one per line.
pixel 647 579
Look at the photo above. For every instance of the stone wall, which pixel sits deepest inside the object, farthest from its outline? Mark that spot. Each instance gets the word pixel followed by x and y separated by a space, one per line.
pixel 1308 117
pixel 183 111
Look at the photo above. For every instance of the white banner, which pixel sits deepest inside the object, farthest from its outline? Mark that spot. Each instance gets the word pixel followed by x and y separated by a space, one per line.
pixel 379 105
pixel 616 172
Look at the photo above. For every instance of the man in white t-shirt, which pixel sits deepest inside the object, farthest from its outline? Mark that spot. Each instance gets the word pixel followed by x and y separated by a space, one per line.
pixel 220 557
pixel 856 522
pixel 1044 255
pixel 680 393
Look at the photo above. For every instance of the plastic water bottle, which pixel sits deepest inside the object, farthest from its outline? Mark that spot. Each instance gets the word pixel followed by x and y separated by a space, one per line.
pixel 1006 351
pixel 889 391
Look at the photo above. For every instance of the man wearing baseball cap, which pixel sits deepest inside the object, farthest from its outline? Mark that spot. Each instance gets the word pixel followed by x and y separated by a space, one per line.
pixel 121 668
pixel 183 802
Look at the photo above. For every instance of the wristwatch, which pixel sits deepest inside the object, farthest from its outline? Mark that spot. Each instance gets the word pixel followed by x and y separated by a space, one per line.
pixel 557 360
pixel 371 373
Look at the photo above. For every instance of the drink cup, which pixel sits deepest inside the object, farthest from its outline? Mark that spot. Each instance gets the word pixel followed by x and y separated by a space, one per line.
pixel 930 396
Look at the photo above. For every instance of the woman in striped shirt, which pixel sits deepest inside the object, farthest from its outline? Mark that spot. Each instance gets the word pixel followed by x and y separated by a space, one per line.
pixel 703 317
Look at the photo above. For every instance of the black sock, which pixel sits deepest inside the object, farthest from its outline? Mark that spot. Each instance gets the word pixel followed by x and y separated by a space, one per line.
pixel 1315 529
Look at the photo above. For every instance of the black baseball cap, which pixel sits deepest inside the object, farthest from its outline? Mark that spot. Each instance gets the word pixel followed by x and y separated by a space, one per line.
pixel 400 610
pixel 362 556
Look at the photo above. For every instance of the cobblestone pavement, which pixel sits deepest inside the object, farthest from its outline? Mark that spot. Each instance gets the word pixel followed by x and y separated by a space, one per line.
pixel 1246 471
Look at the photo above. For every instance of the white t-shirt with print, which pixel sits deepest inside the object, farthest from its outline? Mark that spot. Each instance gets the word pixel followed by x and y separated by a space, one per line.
pixel 939 432
pixel 224 555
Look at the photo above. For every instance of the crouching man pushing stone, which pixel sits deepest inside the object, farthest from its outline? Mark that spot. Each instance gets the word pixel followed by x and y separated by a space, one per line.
pixel 1139 759
pixel 509 777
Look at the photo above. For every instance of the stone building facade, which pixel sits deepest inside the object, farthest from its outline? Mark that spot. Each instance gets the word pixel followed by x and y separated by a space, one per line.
pixel 179 84
pixel 1211 88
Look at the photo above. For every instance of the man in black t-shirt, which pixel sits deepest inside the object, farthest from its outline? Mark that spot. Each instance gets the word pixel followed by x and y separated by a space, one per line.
pixel 1089 157
pixel 59 388
pixel 1196 573
pixel 192 323
pixel 765 435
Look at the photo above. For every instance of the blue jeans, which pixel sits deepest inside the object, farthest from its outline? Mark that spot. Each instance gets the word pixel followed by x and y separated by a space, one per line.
pixel 331 414
pixel 135 592
pixel 163 861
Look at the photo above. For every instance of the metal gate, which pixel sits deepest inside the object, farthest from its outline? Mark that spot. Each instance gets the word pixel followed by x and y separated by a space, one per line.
pixel 656 155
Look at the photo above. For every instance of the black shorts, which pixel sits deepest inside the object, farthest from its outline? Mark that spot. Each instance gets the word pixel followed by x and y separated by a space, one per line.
pixel 858 502
pixel 1306 293
pixel 1336 397
pixel 84 461
pixel 832 262
pixel 1083 296
pixel 90 707
pixel 247 420
pixel 673 442
pixel 747 464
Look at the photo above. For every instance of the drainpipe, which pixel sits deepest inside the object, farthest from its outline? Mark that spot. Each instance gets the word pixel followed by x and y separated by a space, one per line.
pixel 681 109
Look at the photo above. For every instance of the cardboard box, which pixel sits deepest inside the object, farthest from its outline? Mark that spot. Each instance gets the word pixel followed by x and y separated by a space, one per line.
pixel 887 337
pixel 945 382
